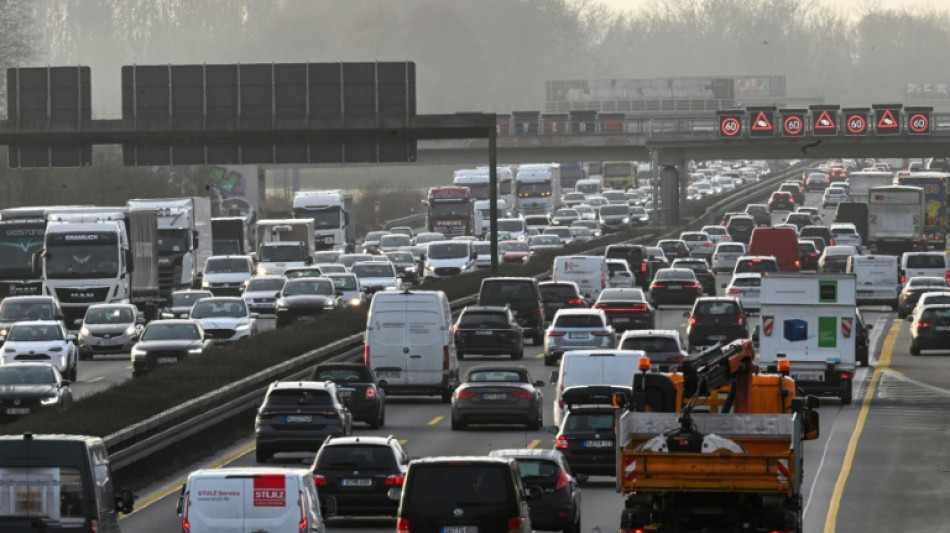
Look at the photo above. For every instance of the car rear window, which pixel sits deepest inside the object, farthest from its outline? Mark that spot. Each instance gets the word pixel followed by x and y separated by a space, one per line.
pixel 630 254
pixel 732 249
pixel 757 265
pixel 717 308
pixel 558 291
pixel 533 470
pixel 677 276
pixel 500 293
pixel 695 266
pixel 935 314
pixel 650 345
pixel 291 397
pixel 484 320
pixel 580 421
pixel 578 321
pixel 747 282
pixel 618 267
pixel 926 261
pixel 495 376
pixel 458 483
pixel 741 223
pixel 362 457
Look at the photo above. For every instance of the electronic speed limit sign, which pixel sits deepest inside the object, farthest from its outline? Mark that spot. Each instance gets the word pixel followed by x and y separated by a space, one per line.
pixel 856 122
pixel 730 126
pixel 918 122
pixel 793 123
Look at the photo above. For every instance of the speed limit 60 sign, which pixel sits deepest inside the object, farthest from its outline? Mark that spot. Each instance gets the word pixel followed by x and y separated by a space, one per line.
pixel 856 121
pixel 918 120
pixel 730 125
pixel 793 122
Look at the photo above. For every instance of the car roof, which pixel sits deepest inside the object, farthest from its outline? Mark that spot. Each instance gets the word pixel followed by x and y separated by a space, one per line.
pixel 360 439
pixel 650 333
pixel 746 275
pixel 37 323
pixel 527 453
pixel 485 309
pixel 580 311
pixel 450 459
pixel 171 321
pixel 302 385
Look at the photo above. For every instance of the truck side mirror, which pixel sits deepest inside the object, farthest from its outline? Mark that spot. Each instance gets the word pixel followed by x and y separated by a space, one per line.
pixel 36 264
pixel 125 502
pixel 194 241
pixel 129 263
pixel 810 422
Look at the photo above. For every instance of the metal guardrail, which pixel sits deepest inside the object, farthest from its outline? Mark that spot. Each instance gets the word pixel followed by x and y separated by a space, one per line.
pixel 415 221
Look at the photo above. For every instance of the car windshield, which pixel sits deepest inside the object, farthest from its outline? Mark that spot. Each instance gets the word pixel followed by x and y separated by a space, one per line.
pixel 395 241
pixel 400 257
pixel 218 308
pixel 272 285
pixel 614 210
pixel 514 246
pixel 282 252
pixel 109 315
pixel 374 236
pixel 27 375
pixel 377 269
pixel 35 333
pixel 187 299
pixel 580 421
pixel 227 266
pixel 484 320
pixel 544 240
pixel 157 331
pixel 308 286
pixel 346 283
pixel 495 376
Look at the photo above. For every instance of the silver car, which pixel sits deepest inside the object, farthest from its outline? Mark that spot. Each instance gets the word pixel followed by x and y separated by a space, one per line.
pixel 725 256
pixel 109 328
pixel 577 329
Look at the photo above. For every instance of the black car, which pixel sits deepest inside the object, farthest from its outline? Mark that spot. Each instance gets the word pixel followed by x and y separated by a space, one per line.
pixel 29 387
pixel 626 309
pixel 781 201
pixel 498 395
pixel 674 248
pixel 715 320
pixel 816 230
pixel 361 474
pixel 560 507
pixel 359 389
pixel 796 189
pixel 523 297
pixel 304 298
pixel 179 303
pixel 916 286
pixel 560 295
pixel 165 342
pixel 930 329
pixel 488 330
pixel 807 255
pixel 656 260
pixel 636 257
pixel 297 416
pixel 675 286
pixel 586 438
pixel 760 213
pixel 703 273
pixel 798 219
pixel 740 228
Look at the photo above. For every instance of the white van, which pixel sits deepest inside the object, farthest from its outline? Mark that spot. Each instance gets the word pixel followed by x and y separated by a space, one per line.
pixel 915 264
pixel 590 272
pixel 589 186
pixel 245 500
pixel 409 343
pixel 877 279
pixel 447 259
pixel 514 227
pixel 594 367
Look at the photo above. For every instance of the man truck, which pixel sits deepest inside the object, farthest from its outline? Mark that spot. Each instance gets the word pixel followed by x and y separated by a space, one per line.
pixel 331 211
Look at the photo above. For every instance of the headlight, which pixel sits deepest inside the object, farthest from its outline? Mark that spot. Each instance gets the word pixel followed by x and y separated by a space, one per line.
pixel 131 330
pixel 84 332
pixel 138 352
pixel 626 221
pixel 281 304
pixel 355 302
pixel 243 326
pixel 330 303
pixel 51 400
pixel 430 268
pixel 195 351
pixel 205 284
pixel 3 332
pixel 260 271
pixel 168 314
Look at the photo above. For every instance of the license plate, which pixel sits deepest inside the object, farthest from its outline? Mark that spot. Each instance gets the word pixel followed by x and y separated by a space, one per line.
pixel 623 320
pixel 494 396
pixel 356 482
pixel 298 419
pixel 166 360
pixel 942 328
pixel 18 410
pixel 460 529
pixel 387 373
pixel 578 335
pixel 346 393
pixel 483 332
pixel 674 287
pixel 717 337
pixel 598 443
pixel 808 376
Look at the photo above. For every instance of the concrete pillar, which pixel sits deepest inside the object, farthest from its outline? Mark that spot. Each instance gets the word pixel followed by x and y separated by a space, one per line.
pixel 669 187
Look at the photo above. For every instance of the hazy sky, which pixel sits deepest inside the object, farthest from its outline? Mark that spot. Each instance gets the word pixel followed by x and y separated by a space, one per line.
pixel 844 6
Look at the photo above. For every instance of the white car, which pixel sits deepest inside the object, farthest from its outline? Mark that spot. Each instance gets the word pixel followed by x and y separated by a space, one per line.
pixel 747 287
pixel 845 233
pixel 716 234
pixel 592 225
pixel 260 293
pixel 225 319
pixel 376 276
pixel 586 211
pixel 348 285
pixel 620 275
pixel 726 254
pixel 42 341
pixel 833 196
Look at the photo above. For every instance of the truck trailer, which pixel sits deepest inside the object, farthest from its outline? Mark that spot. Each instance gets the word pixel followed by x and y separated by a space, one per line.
pixel 896 220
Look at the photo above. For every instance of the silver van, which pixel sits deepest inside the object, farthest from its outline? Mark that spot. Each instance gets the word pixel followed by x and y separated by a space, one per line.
pixel 409 343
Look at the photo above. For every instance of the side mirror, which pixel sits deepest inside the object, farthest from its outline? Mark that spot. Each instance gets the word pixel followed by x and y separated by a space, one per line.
pixel 810 421
pixel 129 261
pixel 125 502
pixel 812 402
pixel 65 383
pixel 277 294
pixel 70 337
pixel 534 492
pixel 685 314
pixel 179 505
pixel 539 383
pixel 209 337
pixel 869 327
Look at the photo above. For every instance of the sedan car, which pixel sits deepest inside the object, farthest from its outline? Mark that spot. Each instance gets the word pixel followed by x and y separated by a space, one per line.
pixel 835 258
pixel 674 248
pixel 546 242
pixel 348 289
pixel 559 509
pixel 303 299
pixel 358 388
pixel 180 303
pixel 701 268
pixel 781 201
pixel 930 329
pixel 674 286
pixel 577 329
pixel 799 219
pixel 407 268
pixel 297 416
pixel 592 225
pixel 664 347
pixel 699 244
pixel 260 293
pixel 488 330
pixel 746 286
pixel 725 256
pixel 165 342
pixel 498 395
pixel 914 288
pixel 44 341
pixel 557 295
pixel 360 474
pixel 833 196
pixel 715 320
pixel 626 309
pixel 564 217
pixel 808 255
pixel 109 328
pixel 514 252
pixel 716 233
pixel 225 318
pixel 29 387
pixel 377 276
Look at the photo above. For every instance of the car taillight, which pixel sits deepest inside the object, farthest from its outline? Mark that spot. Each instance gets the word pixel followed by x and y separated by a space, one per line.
pixel 798 263
pixel 554 333
pixel 692 321
pixel 370 393
pixel 600 306
pixel 832 242
pixel 445 358
pixel 656 286
pixel 908 292
pixel 741 321
pixel 561 443
pixel 638 530
pixel 185 524
pixel 94 526
pixel 562 481
pixel 537 312
pixel 455 329
pixel 948 276
pixel 522 394
pixel 813 254
pixel 601 333
pixel 733 290
pixel 394 481
pixel 366 355
pixel 707 244
pixel 319 480
pixel 465 393
pixel 846 375
pixel 514 524
pixel 691 285
pixel 643 267
pixel 402 525
pixel 575 301
pixel 923 325
pixel 304 523
pixel 640 308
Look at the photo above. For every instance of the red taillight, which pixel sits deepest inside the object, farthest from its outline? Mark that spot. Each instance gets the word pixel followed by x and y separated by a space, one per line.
pixel 707 245
pixel 733 291
pixel 366 355
pixel 798 263
pixel 304 523
pixel 394 481
pixel 465 393
pixel 813 254
pixel 902 279
pixel 923 325
pixel 691 285
pixel 640 308
pixel 370 393
pixel 656 286
pixel 637 530
pixel 445 358
pixel 94 526
pixel 562 481
pixel 554 333
pixel 575 301
pixel 319 480
pixel 692 321
pixel 185 524
pixel 514 524
pixel 846 375
pixel 402 525
pixel 561 443
pixel 522 394
pixel 832 242
pixel 600 306
pixel 948 276
pixel 643 268
pixel 601 333
pixel 455 329
pixel 908 292
pixel 741 321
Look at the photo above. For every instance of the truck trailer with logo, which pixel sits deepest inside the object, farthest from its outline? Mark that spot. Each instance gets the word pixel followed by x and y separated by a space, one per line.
pixel 450 211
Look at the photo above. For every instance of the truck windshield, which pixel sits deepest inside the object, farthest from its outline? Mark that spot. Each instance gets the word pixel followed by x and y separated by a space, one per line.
pixel 174 241
pixel 281 253
pixel 77 261
pixel 615 169
pixel 479 191
pixel 534 190
pixel 449 210
pixel 323 218
pixel 18 243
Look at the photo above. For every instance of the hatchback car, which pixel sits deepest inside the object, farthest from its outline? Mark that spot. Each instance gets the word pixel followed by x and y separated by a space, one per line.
pixel 358 388
pixel 833 196
pixel 559 509
pixel 488 330
pixel 577 329
pixel 620 274
pixel 798 219
pixel 361 474
pixel 725 256
pixel 626 309
pixel 297 416
pixel 43 341
pixel 747 288
pixel 377 276
pixel 796 189
pixel 557 295
pixel 674 248
pixel 592 225
pixel 759 212
pixel 305 298
pixel 225 319
pixel 703 273
pixel 664 347
pixel 675 286
pixel 914 288
pixel 30 387
pixel 260 293
pixel 781 201
pixel 763 264
pixel 717 233
pixel 808 255
pixel 933 298
pixel 109 328
pixel 514 252
pixel 740 227
pixel 835 258
pixel 180 303
pixel 498 395
pixel 715 320
pixel 165 342
pixel 817 181
pixel 846 234
pixel 930 329
pixel 586 438
pixel 699 244
pixel 654 260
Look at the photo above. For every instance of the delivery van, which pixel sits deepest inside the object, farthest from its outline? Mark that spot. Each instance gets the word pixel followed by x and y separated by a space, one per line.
pixel 780 243
pixel 583 368
pixel 590 272
pixel 924 264
pixel 251 499
pixel 65 482
pixel 409 343
pixel 877 279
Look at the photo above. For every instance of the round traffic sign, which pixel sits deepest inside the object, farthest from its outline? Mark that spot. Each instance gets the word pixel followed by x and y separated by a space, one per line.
pixel 730 126
pixel 793 124
pixel 918 123
pixel 857 124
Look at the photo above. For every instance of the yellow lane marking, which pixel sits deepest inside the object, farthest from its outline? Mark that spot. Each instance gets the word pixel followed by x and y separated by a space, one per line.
pixel 435 420
pixel 93 380
pixel 402 442
pixel 533 444
pixel 683 325
pixel 882 364
pixel 539 356
pixel 175 487
pixel 128 367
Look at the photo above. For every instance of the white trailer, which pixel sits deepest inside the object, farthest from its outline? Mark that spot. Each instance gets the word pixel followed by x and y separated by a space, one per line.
pixel 334 225
pixel 896 220
pixel 859 183
pixel 482 215
pixel 537 189
pixel 809 320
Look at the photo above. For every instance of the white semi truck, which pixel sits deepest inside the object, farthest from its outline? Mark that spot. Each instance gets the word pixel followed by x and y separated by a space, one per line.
pixel 331 211
pixel 537 189
pixel 809 321
pixel 896 220
pixel 184 239
pixel 282 244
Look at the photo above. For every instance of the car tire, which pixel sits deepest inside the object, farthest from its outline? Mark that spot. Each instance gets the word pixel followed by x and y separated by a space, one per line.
pixel 550 360
pixel 85 356
pixel 73 373
pixel 914 348
pixel 537 338
pixel 138 373
pixel 446 396
pixel 901 314
pixel 575 527
pixel 537 423
pixel 377 422
pixel 262 455
pixel 461 355
pixel 517 354
pixel 458 425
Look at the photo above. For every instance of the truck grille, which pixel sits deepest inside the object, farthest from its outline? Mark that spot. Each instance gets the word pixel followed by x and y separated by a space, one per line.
pixel 220 333
pixel 169 278
pixel 82 295
pixel 448 271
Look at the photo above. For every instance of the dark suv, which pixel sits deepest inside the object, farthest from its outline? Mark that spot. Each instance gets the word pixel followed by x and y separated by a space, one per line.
pixel 586 438
pixel 636 257
pixel 483 494
pixel 523 297
pixel 560 295
pixel 361 473
pixel 760 212
pixel 488 330
pixel 740 228
pixel 358 388
pixel 781 201
pixel 297 416
pixel 716 320
pixel 560 507
pixel 703 273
